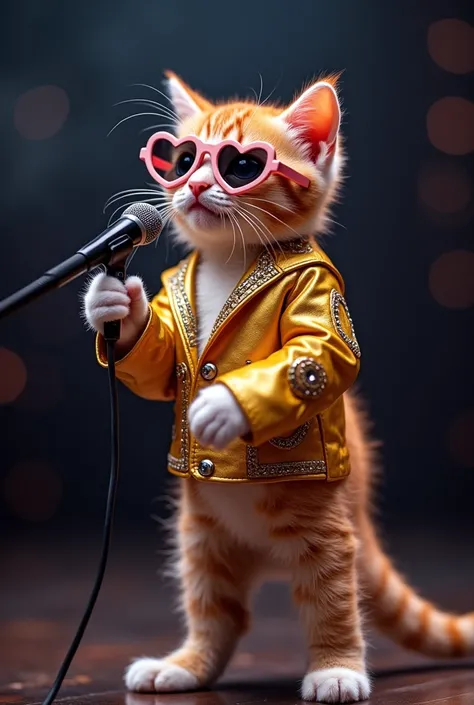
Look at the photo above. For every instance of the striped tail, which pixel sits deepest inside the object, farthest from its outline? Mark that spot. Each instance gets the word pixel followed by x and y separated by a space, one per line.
pixel 404 616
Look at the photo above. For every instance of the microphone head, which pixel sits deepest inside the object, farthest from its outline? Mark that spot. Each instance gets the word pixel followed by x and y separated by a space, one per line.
pixel 148 219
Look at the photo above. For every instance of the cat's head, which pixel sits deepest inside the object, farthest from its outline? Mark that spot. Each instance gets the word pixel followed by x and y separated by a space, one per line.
pixel 305 135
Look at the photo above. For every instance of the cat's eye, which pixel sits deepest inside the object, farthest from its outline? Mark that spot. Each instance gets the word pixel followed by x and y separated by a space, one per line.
pixel 239 169
pixel 184 163
pixel 173 162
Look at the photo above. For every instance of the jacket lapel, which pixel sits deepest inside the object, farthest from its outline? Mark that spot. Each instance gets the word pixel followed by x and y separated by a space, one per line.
pixel 182 288
pixel 266 268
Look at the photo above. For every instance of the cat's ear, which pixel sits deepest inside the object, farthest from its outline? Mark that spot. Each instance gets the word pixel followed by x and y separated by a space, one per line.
pixel 186 102
pixel 315 117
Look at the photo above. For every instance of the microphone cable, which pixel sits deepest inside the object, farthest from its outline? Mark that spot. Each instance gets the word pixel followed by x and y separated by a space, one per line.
pixel 108 522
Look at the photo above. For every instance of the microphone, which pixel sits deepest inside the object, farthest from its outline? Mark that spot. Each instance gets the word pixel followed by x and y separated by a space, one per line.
pixel 139 225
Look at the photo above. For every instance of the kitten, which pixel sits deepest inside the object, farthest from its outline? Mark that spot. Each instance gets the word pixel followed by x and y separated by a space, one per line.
pixel 229 536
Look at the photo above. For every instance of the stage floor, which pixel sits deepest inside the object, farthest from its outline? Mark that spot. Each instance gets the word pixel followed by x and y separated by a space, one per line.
pixel 45 584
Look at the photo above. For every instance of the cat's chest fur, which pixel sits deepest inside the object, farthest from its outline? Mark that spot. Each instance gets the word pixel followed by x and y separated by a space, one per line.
pixel 215 281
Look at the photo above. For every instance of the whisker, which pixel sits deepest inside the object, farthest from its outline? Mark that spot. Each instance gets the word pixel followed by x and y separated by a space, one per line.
pixel 276 218
pixel 158 201
pixel 130 117
pixel 234 242
pixel 261 89
pixel 130 192
pixel 129 203
pixel 145 101
pixel 263 225
pixel 166 97
pixel 248 218
pixel 161 124
pixel 121 207
pixel 259 104
pixel 233 216
pixel 274 203
pixel 335 222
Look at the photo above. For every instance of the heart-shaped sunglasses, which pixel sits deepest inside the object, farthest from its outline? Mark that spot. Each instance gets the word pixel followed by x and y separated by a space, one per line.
pixel 237 168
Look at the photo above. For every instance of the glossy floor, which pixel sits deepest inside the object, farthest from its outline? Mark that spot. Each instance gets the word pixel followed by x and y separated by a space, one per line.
pixel 45 585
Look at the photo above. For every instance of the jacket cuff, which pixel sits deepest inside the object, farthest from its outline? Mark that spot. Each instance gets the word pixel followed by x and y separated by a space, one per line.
pixel 101 347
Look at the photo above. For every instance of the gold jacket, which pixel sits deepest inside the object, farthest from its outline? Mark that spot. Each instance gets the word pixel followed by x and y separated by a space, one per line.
pixel 284 344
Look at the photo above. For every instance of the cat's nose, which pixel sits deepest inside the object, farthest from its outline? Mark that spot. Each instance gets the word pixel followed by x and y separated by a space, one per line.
pixel 197 187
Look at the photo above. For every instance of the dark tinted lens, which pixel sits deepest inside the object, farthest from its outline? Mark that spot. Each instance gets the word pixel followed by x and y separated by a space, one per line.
pixel 173 162
pixel 240 169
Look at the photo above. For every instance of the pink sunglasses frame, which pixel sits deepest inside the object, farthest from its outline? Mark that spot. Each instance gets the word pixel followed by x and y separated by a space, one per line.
pixel 272 166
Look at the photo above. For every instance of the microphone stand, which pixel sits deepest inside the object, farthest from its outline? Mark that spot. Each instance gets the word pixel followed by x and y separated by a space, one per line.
pixel 118 251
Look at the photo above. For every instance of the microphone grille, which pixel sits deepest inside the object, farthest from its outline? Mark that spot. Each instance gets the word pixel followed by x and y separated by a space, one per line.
pixel 149 218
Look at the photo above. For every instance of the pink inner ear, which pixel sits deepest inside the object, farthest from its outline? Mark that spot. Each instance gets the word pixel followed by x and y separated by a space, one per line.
pixel 316 119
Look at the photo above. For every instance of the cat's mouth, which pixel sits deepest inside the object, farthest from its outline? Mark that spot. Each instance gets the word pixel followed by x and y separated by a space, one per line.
pixel 198 206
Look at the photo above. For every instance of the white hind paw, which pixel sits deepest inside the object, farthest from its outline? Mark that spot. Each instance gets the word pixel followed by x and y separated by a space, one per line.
pixel 335 685
pixel 148 675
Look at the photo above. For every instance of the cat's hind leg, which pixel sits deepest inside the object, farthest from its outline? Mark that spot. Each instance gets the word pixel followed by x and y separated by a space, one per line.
pixel 216 575
pixel 325 590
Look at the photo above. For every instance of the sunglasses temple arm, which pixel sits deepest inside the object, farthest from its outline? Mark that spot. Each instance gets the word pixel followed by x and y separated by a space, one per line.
pixel 291 174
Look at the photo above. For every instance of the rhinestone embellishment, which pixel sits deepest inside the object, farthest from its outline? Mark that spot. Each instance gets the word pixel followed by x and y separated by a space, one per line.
pixel 337 300
pixel 307 378
pixel 289 442
pixel 181 464
pixel 184 305
pixel 256 470
pixel 265 270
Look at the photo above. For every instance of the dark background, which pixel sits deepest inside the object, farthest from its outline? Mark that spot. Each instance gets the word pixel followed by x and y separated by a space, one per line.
pixel 403 240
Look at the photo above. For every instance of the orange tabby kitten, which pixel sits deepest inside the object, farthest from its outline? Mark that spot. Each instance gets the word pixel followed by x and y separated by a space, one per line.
pixel 230 536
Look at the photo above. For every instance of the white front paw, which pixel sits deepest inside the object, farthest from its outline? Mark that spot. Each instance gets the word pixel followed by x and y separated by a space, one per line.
pixel 216 418
pixel 149 675
pixel 335 685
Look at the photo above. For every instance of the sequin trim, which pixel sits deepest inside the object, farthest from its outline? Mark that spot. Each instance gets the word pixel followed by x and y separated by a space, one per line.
pixel 337 300
pixel 183 303
pixel 298 247
pixel 307 378
pixel 265 470
pixel 289 442
pixel 181 464
pixel 265 270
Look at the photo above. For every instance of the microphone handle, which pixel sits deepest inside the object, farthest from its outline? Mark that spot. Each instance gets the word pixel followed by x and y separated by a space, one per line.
pixel 113 329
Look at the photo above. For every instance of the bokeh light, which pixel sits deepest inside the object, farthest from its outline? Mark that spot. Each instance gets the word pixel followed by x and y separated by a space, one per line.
pixel 451 45
pixel 451 279
pixel 450 124
pixel 445 187
pixel 32 490
pixel 43 389
pixel 460 439
pixel 41 112
pixel 13 376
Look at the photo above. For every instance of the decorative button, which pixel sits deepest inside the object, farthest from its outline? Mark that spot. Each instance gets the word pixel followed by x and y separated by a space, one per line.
pixel 208 371
pixel 307 378
pixel 206 468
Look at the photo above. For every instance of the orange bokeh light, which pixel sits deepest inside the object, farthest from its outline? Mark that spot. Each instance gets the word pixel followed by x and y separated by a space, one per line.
pixel 460 439
pixel 32 490
pixel 44 388
pixel 452 279
pixel 445 187
pixel 41 112
pixel 13 376
pixel 450 124
pixel 451 45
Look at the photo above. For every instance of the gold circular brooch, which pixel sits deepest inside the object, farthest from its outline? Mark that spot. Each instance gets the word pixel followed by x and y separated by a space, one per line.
pixel 307 378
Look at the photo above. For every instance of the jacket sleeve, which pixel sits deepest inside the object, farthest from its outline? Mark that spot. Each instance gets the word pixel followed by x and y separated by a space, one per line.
pixel 317 363
pixel 149 368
